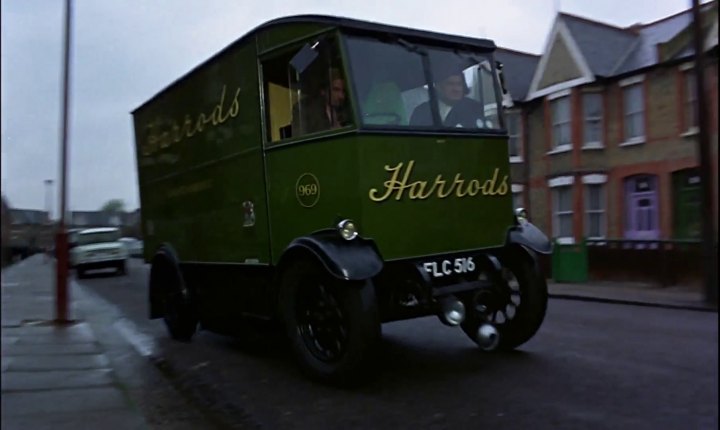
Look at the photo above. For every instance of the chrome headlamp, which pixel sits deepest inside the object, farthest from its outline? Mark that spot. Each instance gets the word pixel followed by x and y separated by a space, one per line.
pixel 347 229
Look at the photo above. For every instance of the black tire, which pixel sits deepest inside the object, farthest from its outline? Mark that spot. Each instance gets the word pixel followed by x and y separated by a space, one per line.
pixel 179 312
pixel 525 294
pixel 122 269
pixel 333 326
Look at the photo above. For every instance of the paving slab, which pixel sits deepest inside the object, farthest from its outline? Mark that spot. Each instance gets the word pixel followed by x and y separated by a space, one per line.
pixel 67 400
pixel 105 420
pixel 14 348
pixel 79 330
pixel 56 362
pixel 55 379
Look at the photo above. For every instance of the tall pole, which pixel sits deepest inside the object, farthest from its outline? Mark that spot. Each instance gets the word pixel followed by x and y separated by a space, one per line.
pixel 706 177
pixel 61 238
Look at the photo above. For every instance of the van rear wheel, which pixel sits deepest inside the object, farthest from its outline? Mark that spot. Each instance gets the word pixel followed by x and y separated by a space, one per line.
pixel 333 325
pixel 178 310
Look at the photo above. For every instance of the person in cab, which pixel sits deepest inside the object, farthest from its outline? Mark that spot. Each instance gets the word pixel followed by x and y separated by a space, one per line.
pixel 325 108
pixel 454 107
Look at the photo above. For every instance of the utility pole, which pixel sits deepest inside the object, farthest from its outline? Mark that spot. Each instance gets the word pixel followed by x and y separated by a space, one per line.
pixel 709 248
pixel 61 237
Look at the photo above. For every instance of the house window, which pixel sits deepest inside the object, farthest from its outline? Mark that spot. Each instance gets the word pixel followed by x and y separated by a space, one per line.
pixel 562 212
pixel 593 111
pixel 686 204
pixel 595 211
pixel 515 131
pixel 641 208
pixel 517 196
pixel 691 114
pixel 518 200
pixel 560 108
pixel 633 111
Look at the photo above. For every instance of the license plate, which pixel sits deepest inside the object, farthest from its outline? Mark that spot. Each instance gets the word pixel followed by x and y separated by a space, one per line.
pixel 449 267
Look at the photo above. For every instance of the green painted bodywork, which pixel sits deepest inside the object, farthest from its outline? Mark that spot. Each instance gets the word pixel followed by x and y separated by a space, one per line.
pixel 201 160
pixel 192 188
pixel 349 166
pixel 268 40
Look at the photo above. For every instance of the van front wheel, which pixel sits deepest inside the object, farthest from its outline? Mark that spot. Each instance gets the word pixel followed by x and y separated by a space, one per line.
pixel 333 325
pixel 515 305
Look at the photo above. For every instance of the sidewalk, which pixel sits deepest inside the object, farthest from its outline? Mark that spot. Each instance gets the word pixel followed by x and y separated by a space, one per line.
pixel 679 297
pixel 54 377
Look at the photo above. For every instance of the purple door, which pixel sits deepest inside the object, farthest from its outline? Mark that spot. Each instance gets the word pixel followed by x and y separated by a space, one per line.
pixel 641 203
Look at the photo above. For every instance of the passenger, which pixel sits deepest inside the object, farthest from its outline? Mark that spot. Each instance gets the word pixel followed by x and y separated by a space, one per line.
pixel 325 110
pixel 456 110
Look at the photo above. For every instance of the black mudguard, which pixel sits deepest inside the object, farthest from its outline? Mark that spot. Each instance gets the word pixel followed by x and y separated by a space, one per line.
pixel 350 260
pixel 526 234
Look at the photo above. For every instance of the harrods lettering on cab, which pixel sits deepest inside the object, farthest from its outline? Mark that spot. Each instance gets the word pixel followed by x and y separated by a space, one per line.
pixel 402 184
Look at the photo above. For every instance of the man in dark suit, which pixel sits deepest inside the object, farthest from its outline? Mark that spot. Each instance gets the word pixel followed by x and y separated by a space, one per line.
pixel 456 110
pixel 325 110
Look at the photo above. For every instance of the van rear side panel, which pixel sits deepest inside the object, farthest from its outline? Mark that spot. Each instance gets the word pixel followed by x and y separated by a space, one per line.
pixel 200 163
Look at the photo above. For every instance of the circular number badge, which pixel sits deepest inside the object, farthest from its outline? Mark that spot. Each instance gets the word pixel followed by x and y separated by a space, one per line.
pixel 307 190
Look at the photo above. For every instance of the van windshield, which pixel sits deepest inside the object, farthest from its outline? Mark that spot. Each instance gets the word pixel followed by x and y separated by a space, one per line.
pixel 417 86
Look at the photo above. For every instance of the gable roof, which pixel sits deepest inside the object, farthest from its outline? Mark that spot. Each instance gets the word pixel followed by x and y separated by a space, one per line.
pixel 650 35
pixel 601 44
pixel 610 51
pixel 518 70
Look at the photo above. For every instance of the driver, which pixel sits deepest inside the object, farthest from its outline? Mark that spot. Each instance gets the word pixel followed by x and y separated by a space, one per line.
pixel 456 110
pixel 327 109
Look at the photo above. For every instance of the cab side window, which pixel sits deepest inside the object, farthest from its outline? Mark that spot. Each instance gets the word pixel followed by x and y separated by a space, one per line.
pixel 305 91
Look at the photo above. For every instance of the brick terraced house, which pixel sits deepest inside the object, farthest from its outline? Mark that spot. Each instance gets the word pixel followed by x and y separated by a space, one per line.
pixel 604 134
pixel 612 130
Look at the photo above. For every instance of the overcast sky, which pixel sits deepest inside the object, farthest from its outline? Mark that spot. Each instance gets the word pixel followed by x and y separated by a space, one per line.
pixel 125 51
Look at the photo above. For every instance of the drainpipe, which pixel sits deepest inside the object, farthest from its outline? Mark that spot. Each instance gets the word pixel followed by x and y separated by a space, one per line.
pixel 706 182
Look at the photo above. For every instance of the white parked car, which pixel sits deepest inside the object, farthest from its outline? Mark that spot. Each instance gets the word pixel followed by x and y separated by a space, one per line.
pixel 99 248
pixel 133 246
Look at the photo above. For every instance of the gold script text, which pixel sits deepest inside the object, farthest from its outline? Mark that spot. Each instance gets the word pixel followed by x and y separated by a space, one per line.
pixel 400 184
pixel 163 133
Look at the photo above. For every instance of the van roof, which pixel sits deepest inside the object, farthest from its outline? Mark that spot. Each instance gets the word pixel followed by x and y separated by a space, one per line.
pixel 342 23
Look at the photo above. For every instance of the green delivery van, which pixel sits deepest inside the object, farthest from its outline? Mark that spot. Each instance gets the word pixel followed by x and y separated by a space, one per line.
pixel 318 173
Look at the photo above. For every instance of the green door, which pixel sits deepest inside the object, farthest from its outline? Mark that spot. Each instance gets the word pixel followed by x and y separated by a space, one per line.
pixel 686 220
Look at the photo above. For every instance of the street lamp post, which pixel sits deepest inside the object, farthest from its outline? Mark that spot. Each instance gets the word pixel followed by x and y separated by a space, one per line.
pixel 61 237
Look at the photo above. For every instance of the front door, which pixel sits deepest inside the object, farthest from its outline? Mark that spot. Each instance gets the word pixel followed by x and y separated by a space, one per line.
pixel 642 220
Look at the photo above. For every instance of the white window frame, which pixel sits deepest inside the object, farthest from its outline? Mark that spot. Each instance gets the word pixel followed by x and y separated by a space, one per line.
pixel 554 184
pixel 598 144
pixel 553 98
pixel 596 179
pixel 624 85
pixel 517 193
pixel 519 136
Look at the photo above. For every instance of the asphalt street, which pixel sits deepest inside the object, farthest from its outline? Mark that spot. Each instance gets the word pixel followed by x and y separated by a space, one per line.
pixel 591 366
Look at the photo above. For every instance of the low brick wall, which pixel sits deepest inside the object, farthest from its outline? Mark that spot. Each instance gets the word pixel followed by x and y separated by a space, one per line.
pixel 663 263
